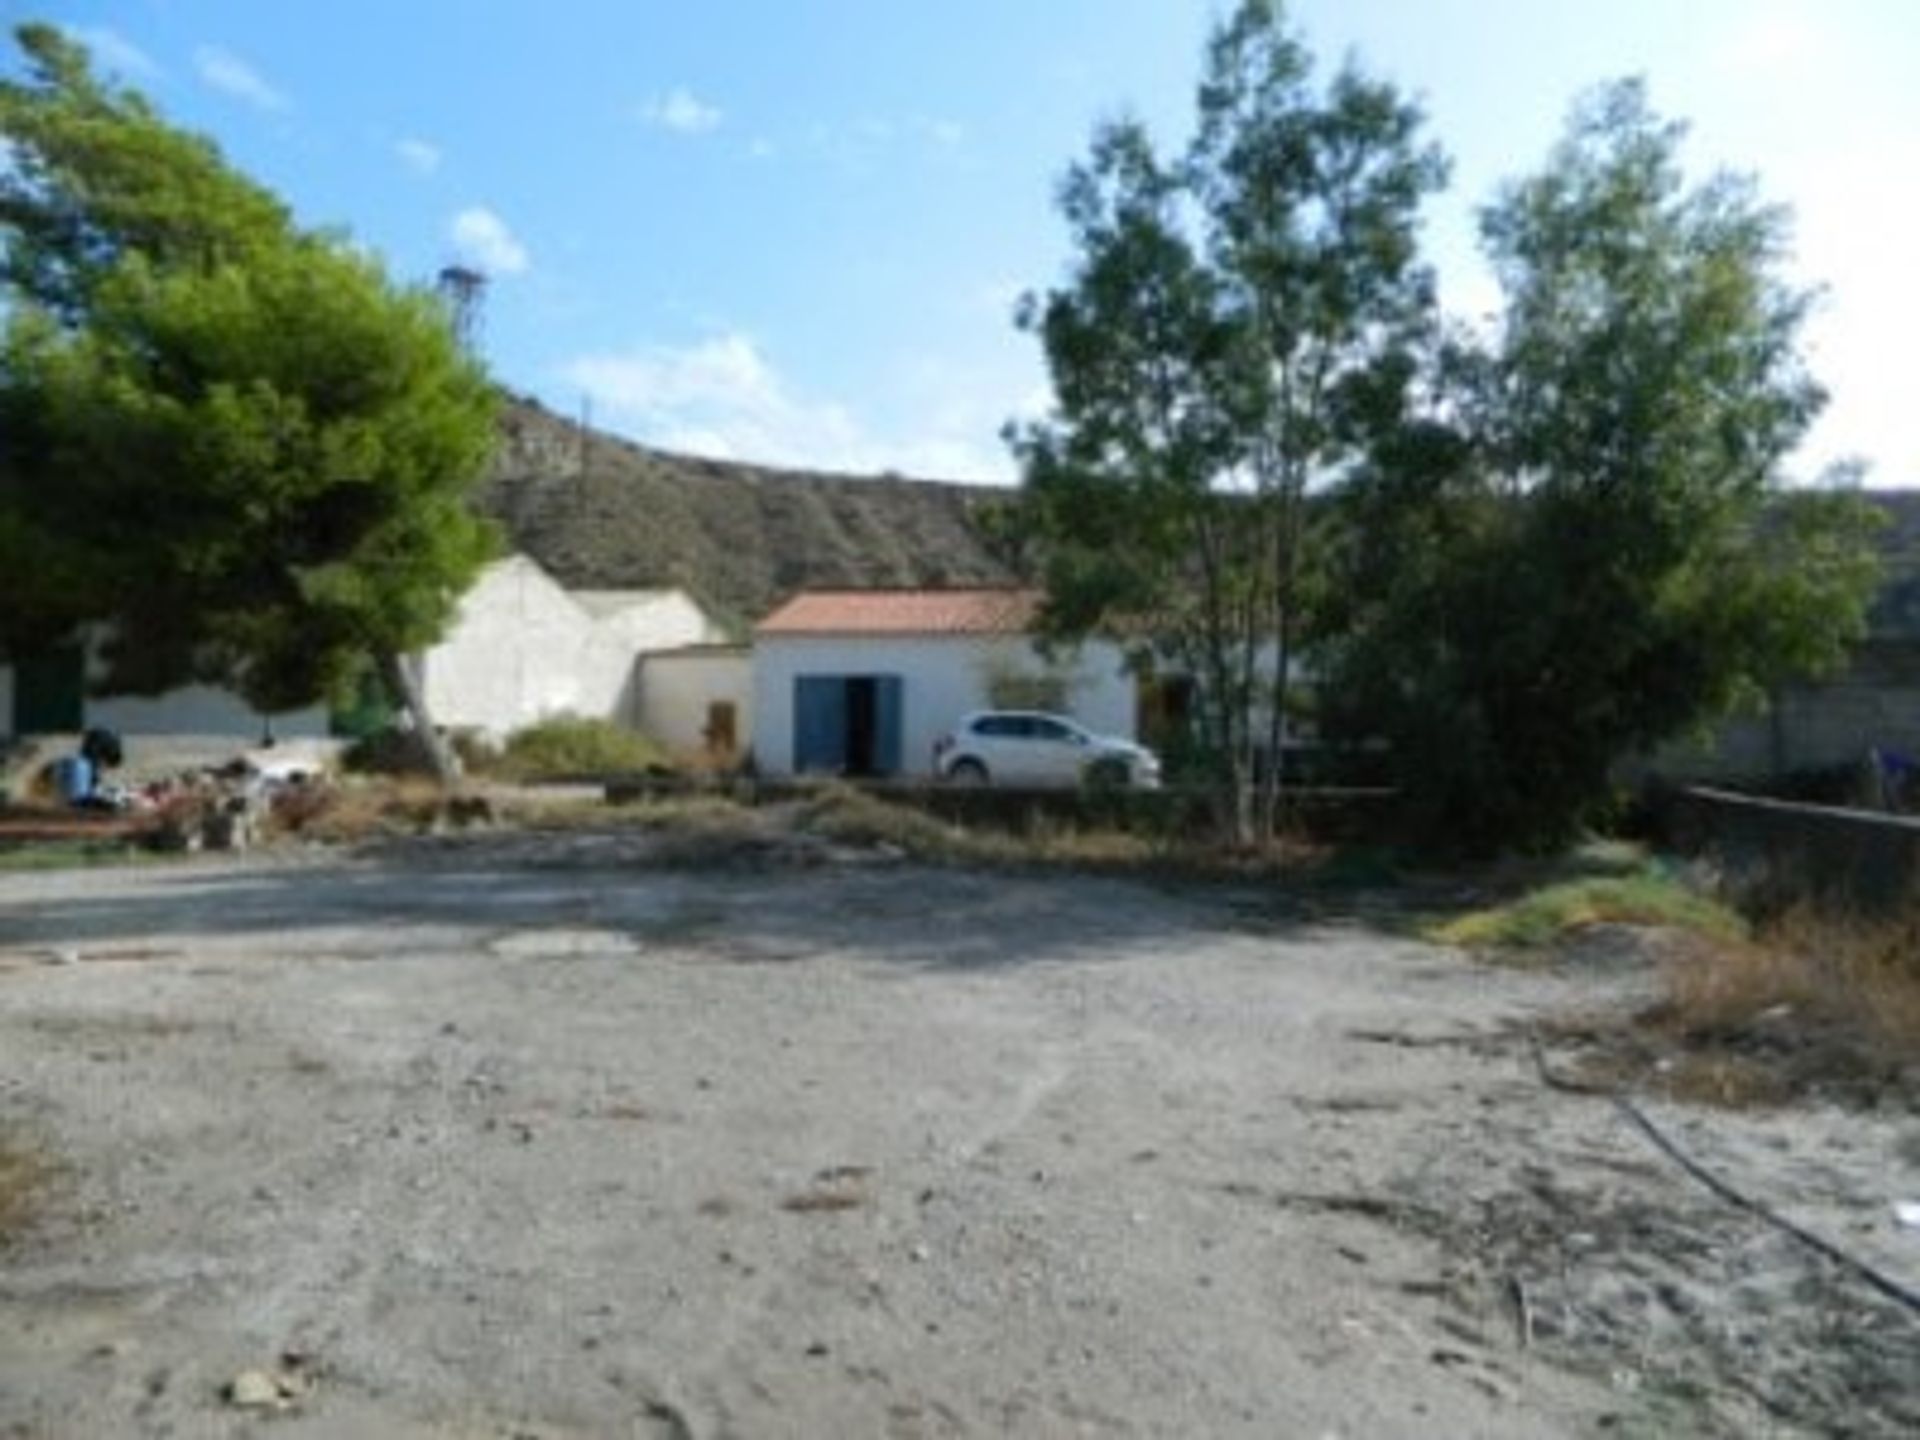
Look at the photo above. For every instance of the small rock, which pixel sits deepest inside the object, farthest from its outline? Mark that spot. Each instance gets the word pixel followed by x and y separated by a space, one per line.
pixel 918 1253
pixel 254 1390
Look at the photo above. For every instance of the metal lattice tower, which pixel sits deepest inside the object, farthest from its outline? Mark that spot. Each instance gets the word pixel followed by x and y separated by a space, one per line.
pixel 466 291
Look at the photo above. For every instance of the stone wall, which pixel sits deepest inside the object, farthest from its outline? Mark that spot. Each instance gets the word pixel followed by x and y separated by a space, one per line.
pixel 1772 854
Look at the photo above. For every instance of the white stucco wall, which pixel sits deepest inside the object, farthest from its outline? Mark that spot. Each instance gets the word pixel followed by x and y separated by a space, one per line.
pixel 677 688
pixel 201 710
pixel 622 632
pixel 522 648
pixel 942 678
pixel 189 710
pixel 511 656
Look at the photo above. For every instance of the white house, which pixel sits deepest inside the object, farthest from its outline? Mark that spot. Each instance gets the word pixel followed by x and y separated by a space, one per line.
pixel 862 682
pixel 522 648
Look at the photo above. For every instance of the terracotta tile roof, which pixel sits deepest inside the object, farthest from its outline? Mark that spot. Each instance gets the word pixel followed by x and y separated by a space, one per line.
pixel 904 612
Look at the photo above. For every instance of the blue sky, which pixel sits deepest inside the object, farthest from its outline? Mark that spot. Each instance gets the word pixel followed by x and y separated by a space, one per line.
pixel 793 232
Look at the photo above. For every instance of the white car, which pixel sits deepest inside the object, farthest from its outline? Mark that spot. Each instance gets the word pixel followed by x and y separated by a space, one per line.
pixel 1029 747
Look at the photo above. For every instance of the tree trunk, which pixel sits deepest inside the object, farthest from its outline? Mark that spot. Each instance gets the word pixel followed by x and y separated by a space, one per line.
pixel 1273 790
pixel 404 685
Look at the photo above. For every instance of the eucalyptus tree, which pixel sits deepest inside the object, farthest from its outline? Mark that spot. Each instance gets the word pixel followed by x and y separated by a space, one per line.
pixel 1595 550
pixel 1239 324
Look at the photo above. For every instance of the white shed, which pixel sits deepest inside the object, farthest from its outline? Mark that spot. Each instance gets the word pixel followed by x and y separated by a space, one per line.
pixel 862 682
pixel 523 648
pixel 697 702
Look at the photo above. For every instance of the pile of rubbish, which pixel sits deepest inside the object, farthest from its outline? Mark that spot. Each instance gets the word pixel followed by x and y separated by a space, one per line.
pixel 220 807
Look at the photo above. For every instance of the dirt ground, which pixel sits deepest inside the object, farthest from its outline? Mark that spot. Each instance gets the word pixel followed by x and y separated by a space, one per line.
pixel 525 1139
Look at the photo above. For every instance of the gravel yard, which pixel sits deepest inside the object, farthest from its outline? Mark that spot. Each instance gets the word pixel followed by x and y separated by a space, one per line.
pixel 456 1143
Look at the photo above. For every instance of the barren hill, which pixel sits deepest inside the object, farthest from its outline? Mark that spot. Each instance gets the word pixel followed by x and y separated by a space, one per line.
pixel 598 511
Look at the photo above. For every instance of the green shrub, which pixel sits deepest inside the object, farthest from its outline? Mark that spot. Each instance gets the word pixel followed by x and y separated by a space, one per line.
pixel 1542 916
pixel 392 751
pixel 568 746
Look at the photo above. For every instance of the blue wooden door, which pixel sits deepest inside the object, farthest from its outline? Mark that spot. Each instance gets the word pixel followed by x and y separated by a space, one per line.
pixel 819 723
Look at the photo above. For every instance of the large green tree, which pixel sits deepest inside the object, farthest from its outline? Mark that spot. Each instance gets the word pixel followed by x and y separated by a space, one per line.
pixel 232 439
pixel 1237 323
pixel 1589 549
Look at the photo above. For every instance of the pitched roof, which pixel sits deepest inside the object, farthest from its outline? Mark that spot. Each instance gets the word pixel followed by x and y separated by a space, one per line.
pixel 904 612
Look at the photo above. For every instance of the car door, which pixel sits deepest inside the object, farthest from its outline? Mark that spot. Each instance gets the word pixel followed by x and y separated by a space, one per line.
pixel 1055 752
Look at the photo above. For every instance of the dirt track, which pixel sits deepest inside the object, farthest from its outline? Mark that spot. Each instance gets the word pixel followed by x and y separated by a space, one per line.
pixel 507 1150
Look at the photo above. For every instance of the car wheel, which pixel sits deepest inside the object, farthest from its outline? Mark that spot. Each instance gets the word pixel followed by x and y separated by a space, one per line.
pixel 968 772
pixel 1108 774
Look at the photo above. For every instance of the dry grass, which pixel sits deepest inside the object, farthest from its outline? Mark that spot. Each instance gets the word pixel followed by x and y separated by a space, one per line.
pixel 712 829
pixel 1812 1007
pixel 369 807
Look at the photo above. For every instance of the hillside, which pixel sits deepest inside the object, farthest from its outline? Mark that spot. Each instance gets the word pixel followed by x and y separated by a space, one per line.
pixel 600 512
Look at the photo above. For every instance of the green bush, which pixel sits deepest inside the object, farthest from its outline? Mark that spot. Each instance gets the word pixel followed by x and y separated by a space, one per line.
pixel 570 746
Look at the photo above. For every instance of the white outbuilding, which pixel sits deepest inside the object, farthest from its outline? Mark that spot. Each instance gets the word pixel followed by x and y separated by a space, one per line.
pixel 863 682
pixel 523 648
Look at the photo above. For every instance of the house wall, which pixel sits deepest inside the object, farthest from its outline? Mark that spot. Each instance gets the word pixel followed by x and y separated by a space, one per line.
pixel 609 674
pixel 676 689
pixel 201 710
pixel 521 648
pixel 188 710
pixel 511 656
pixel 1873 704
pixel 943 677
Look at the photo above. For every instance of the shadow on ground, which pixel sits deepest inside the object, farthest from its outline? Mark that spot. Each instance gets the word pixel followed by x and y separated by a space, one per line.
pixel 939 918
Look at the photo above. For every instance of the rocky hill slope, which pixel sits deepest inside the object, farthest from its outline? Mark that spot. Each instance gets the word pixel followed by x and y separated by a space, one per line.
pixel 598 511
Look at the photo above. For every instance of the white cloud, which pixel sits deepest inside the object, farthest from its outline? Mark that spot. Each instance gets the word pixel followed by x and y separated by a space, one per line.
pixel 944 132
pixel 115 52
pixel 420 156
pixel 721 398
pixel 483 240
pixel 1775 39
pixel 230 75
pixel 682 111
pixel 1848 239
pixel 761 148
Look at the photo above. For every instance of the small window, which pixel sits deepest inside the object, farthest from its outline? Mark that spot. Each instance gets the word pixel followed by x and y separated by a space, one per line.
pixel 1001 727
pixel 1052 730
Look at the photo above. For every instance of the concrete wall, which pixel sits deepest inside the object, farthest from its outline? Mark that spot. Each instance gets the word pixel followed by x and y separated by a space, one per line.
pixel 511 656
pixel 943 677
pixel 201 710
pixel 521 648
pixel 624 632
pixel 677 687
pixel 1873 704
pixel 1772 854
pixel 189 710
